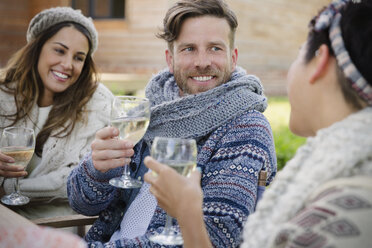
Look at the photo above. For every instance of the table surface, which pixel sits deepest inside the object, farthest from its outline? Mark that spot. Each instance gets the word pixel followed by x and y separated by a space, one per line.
pixel 9 218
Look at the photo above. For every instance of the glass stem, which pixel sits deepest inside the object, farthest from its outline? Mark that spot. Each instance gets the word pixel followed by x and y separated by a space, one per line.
pixel 126 172
pixel 168 225
pixel 17 185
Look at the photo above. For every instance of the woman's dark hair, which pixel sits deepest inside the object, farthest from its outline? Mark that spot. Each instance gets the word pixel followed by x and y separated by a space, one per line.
pixel 68 106
pixel 356 29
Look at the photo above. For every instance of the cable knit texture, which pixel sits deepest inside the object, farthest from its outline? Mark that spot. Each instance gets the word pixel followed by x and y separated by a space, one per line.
pixel 342 150
pixel 60 155
pixel 230 156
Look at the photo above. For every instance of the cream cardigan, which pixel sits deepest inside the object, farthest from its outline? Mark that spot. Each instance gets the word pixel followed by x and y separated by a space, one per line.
pixel 342 150
pixel 60 155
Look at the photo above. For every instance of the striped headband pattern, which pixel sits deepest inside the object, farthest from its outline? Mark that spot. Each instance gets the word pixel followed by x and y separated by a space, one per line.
pixel 331 18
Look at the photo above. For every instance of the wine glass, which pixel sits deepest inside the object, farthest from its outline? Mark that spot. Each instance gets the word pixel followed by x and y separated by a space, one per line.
pixel 180 154
pixel 131 115
pixel 18 143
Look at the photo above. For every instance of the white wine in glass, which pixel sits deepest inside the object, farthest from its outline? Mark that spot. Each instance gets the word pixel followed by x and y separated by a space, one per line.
pixel 182 167
pixel 181 155
pixel 18 143
pixel 132 128
pixel 131 115
pixel 21 154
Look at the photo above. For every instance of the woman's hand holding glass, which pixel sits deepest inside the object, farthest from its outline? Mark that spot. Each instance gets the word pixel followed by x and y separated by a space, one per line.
pixel 8 170
pixel 176 194
pixel 19 144
pixel 182 198
pixel 181 155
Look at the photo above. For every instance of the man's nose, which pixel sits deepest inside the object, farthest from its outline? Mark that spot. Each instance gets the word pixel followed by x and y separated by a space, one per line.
pixel 202 60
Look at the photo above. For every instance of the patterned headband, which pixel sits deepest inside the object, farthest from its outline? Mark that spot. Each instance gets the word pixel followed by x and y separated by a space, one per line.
pixel 331 18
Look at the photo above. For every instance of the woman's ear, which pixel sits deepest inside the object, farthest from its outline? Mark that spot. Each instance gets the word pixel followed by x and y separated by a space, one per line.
pixel 321 61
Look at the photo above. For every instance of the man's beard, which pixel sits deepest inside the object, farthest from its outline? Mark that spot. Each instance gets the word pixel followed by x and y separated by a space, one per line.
pixel 182 78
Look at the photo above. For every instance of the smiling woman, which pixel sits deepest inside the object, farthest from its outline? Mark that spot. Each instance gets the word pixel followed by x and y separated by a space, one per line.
pixel 50 86
pixel 61 62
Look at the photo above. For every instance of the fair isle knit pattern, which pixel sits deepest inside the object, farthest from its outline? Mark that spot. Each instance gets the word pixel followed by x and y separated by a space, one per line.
pixel 230 157
pixel 342 150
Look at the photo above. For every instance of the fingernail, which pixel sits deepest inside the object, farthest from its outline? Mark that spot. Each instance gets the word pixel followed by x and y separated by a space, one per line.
pixel 116 132
pixel 198 169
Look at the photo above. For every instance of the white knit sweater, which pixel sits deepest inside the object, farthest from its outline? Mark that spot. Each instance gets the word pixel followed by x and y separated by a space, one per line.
pixel 60 155
pixel 342 150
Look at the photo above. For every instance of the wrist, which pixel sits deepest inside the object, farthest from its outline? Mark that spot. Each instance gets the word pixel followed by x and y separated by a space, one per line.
pixel 193 228
pixel 190 215
pixel 88 165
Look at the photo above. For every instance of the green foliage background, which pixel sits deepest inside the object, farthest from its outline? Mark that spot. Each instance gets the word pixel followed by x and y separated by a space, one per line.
pixel 286 143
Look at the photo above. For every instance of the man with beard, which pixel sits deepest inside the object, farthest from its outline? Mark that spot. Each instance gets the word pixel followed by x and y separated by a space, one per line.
pixel 202 95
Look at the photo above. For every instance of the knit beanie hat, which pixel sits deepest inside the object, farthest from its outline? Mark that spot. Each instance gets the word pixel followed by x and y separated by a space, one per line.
pixel 50 17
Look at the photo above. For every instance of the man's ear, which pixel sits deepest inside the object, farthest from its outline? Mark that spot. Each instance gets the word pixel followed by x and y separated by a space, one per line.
pixel 321 61
pixel 169 59
pixel 234 58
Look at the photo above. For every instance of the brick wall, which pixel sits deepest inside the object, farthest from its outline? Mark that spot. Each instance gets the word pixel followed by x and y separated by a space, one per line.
pixel 13 23
pixel 15 16
pixel 132 46
pixel 269 35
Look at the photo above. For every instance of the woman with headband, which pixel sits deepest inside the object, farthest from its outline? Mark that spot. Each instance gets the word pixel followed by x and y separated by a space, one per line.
pixel 323 196
pixel 50 86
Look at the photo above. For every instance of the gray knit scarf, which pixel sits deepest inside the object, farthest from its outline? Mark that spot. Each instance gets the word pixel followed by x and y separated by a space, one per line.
pixel 194 116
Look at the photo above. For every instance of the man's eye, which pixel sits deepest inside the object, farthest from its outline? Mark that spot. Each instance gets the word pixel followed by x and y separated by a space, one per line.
pixel 216 49
pixel 188 49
